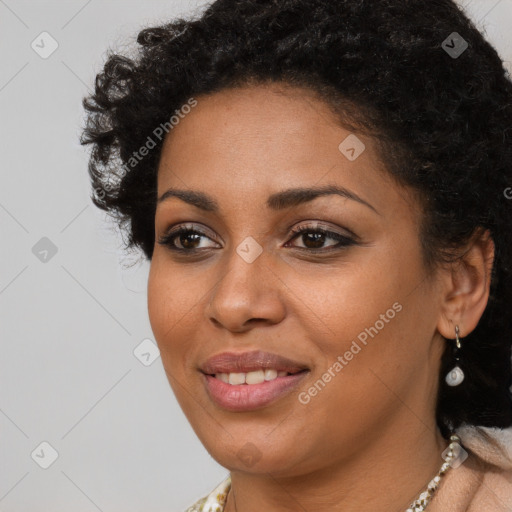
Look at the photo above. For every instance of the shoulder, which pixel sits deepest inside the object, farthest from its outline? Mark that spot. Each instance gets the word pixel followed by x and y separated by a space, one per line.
pixel 483 480
pixel 215 501
pixel 493 449
pixel 492 489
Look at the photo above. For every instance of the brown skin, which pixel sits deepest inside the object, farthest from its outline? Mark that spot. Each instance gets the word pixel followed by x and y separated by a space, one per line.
pixel 372 428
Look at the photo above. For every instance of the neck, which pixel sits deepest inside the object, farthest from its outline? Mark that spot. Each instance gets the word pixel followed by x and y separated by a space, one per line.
pixel 395 471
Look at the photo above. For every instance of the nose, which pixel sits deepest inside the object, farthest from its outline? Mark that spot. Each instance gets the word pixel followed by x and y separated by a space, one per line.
pixel 246 295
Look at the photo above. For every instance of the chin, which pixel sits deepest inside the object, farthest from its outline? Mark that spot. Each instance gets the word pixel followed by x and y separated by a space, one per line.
pixel 244 455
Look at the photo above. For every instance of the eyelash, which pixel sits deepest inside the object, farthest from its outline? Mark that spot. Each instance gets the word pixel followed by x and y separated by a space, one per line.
pixel 343 241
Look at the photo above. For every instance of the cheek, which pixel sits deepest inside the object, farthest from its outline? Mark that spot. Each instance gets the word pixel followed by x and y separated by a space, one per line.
pixel 158 305
pixel 171 302
pixel 368 310
pixel 343 301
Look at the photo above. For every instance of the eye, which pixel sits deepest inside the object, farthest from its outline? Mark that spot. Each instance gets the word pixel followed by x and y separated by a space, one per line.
pixel 314 237
pixel 189 239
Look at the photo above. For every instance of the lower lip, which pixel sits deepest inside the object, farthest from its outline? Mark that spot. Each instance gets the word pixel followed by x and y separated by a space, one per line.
pixel 247 397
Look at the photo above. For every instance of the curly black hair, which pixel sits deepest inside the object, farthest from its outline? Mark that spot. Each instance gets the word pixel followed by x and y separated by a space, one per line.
pixel 415 74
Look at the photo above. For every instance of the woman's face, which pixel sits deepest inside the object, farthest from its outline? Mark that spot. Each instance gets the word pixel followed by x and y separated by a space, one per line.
pixel 354 310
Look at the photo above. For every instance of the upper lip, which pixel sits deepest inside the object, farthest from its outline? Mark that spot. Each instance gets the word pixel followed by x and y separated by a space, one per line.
pixel 243 362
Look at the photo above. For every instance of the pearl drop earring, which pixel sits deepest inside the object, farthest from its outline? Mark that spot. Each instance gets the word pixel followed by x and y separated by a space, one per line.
pixel 456 375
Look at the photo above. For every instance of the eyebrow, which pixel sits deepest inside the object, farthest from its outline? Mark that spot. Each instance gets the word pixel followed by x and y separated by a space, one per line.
pixel 278 201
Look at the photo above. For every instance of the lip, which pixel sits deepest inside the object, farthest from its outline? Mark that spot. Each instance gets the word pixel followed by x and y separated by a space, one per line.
pixel 247 397
pixel 243 362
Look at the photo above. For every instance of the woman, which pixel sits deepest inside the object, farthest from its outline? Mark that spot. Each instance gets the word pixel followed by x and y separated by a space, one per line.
pixel 323 191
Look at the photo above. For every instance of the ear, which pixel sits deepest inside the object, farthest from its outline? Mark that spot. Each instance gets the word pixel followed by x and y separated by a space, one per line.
pixel 466 286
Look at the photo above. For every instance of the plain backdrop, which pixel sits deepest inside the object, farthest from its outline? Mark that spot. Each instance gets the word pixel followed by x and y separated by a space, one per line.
pixel 88 420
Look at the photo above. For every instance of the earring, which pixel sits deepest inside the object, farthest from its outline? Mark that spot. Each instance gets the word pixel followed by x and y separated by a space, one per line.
pixel 455 376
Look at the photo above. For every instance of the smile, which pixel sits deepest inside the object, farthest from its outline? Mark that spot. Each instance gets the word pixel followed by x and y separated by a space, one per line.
pixel 251 378
pixel 238 395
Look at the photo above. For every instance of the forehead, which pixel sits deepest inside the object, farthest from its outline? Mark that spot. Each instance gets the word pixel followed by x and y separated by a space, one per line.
pixel 246 143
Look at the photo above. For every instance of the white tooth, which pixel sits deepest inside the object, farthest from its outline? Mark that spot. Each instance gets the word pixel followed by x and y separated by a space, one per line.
pixel 222 376
pixel 282 374
pixel 270 374
pixel 256 377
pixel 237 378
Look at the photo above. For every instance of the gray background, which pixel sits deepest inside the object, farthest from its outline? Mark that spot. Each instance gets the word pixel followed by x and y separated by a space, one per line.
pixel 71 321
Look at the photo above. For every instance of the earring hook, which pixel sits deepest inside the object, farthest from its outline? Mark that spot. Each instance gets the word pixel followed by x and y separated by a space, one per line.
pixel 457 340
